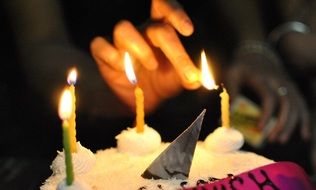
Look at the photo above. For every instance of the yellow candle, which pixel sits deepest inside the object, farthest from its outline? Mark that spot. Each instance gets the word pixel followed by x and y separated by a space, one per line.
pixel 72 77
pixel 225 108
pixel 140 122
pixel 65 110
pixel 139 95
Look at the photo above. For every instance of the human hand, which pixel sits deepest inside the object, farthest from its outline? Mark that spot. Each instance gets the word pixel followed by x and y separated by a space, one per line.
pixel 313 148
pixel 277 92
pixel 299 51
pixel 162 65
pixel 170 11
pixel 313 125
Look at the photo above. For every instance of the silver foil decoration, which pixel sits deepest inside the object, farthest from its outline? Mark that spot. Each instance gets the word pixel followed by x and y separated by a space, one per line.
pixel 175 161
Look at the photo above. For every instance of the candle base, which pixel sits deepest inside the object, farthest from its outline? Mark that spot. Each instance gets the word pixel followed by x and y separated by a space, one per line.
pixel 132 142
pixel 224 139
pixel 68 157
pixel 77 185
pixel 83 161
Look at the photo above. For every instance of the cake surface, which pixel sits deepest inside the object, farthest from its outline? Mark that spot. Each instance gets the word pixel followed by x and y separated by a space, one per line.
pixel 213 164
pixel 118 170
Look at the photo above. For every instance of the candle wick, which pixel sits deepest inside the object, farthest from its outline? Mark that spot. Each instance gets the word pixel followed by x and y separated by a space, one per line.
pixel 134 82
pixel 71 82
pixel 222 86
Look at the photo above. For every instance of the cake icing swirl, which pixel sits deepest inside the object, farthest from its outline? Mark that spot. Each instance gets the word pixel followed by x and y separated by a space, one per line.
pixel 129 141
pixel 83 160
pixel 223 140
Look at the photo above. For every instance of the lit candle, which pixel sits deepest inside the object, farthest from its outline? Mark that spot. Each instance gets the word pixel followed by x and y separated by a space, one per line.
pixel 65 111
pixel 71 79
pixel 139 95
pixel 225 108
pixel 223 139
pixel 207 78
pixel 140 114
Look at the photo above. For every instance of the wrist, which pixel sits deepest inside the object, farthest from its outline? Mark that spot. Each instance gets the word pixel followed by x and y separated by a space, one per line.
pixel 258 47
pixel 292 26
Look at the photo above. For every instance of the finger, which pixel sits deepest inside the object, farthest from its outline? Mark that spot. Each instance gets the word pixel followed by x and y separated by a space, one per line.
pixel 173 13
pixel 289 127
pixel 268 107
pixel 305 121
pixel 128 38
pixel 165 37
pixel 110 66
pixel 233 82
pixel 302 119
pixel 105 53
pixel 283 119
pixel 263 90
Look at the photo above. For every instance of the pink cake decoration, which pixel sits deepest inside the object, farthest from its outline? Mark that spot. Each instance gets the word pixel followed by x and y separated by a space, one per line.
pixel 276 176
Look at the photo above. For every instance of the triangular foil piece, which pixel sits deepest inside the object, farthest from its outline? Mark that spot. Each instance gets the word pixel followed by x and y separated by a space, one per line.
pixel 175 161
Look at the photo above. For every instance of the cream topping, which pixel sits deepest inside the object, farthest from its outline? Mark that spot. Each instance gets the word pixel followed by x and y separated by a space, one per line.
pixel 134 143
pixel 223 140
pixel 83 160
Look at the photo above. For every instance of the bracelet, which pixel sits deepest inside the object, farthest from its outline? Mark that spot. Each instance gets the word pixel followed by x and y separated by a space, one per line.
pixel 258 47
pixel 293 26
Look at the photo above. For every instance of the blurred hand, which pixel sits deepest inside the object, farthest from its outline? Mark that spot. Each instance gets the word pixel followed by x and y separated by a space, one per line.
pixel 277 93
pixel 161 63
pixel 313 148
pixel 299 51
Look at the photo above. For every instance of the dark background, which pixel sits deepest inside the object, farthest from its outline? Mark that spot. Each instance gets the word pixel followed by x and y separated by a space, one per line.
pixel 30 133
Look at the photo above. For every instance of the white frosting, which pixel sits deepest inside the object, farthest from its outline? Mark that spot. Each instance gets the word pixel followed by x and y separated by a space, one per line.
pixel 120 171
pixel 76 185
pixel 83 160
pixel 223 140
pixel 131 142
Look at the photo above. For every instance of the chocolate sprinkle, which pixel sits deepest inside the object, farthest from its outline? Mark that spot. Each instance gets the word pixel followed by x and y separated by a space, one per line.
pixel 200 182
pixel 213 179
pixel 183 183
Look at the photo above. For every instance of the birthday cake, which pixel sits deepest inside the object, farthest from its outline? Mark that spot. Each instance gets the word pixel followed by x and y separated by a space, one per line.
pixel 185 163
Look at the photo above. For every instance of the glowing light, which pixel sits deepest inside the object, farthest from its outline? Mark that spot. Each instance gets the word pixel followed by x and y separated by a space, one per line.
pixel 65 105
pixel 129 70
pixel 72 77
pixel 207 77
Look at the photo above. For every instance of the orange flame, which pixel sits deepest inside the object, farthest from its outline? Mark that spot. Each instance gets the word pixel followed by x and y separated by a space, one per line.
pixel 65 105
pixel 72 76
pixel 129 70
pixel 207 76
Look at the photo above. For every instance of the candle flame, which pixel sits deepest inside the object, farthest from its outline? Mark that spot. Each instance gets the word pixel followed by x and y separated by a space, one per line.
pixel 207 77
pixel 72 77
pixel 65 105
pixel 129 68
